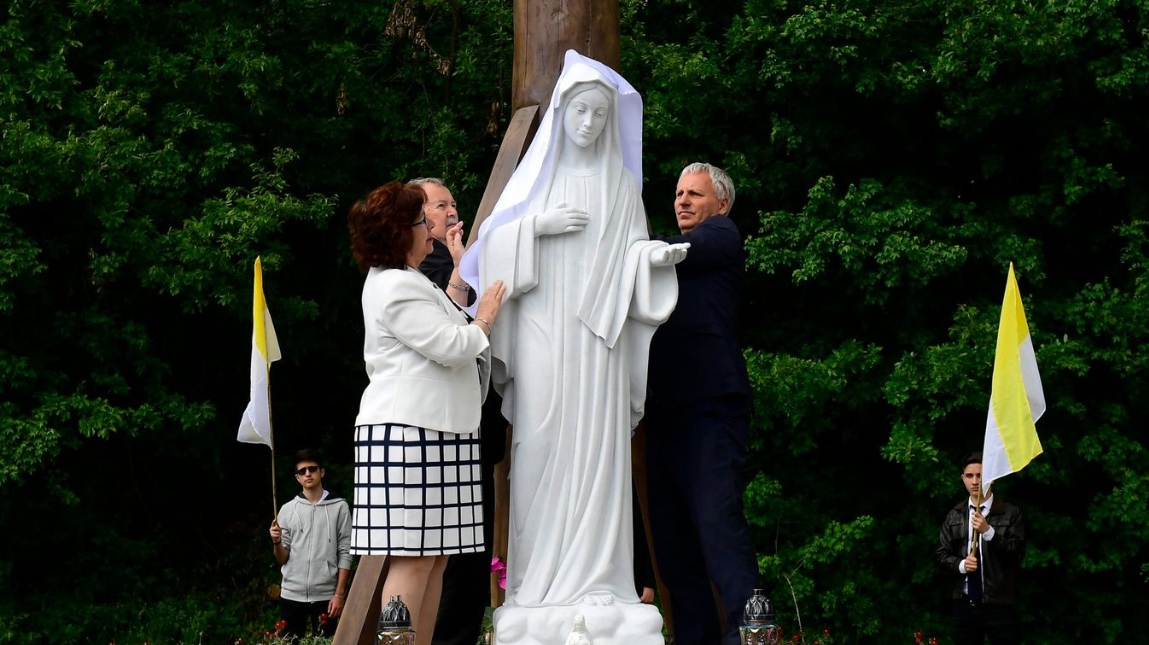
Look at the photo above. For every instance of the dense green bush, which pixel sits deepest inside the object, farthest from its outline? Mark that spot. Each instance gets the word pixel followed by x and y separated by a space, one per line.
pixel 893 159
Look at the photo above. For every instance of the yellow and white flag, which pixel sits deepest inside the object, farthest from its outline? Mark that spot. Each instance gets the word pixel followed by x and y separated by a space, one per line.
pixel 1016 401
pixel 255 427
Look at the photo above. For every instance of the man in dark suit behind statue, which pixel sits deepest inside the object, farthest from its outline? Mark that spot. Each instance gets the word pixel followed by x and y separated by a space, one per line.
pixel 697 417
pixel 467 579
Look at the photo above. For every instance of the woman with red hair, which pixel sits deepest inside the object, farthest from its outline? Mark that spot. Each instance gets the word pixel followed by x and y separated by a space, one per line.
pixel 418 496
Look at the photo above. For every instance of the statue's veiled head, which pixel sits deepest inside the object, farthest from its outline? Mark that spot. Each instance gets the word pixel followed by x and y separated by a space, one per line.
pixel 587 112
pixel 615 142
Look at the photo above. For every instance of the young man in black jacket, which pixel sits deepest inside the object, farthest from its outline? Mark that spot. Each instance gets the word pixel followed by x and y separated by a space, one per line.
pixel 984 573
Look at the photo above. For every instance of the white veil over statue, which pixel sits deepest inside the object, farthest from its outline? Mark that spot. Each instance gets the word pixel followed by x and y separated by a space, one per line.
pixel 540 156
pixel 570 355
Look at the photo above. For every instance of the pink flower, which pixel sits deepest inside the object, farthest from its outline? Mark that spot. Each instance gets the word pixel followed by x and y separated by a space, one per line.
pixel 499 567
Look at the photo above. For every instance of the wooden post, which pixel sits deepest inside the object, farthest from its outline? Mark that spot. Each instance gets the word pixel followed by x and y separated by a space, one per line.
pixel 511 150
pixel 638 467
pixel 546 29
pixel 361 615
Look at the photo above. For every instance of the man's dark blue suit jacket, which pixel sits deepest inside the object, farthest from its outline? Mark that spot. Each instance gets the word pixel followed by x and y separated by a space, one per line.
pixel 696 354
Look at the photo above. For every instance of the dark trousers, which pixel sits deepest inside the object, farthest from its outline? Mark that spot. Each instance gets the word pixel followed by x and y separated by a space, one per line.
pixel 643 567
pixel 298 614
pixel 695 455
pixel 467 583
pixel 467 578
pixel 973 624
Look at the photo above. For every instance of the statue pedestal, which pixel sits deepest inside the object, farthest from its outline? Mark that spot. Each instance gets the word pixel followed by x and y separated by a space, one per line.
pixel 614 624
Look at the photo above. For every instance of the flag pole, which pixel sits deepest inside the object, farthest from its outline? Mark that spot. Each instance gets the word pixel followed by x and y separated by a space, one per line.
pixel 973 541
pixel 271 436
pixel 255 425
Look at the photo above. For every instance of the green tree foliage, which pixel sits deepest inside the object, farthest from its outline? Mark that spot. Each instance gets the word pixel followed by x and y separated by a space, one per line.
pixel 891 158
pixel 150 152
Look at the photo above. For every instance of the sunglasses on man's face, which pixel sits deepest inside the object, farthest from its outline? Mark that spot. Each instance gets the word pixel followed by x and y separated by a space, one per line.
pixel 306 469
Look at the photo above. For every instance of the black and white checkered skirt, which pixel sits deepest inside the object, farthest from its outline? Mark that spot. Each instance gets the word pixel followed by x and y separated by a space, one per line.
pixel 417 492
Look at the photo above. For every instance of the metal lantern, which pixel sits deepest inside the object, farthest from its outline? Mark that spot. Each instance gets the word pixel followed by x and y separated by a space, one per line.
pixel 395 624
pixel 758 626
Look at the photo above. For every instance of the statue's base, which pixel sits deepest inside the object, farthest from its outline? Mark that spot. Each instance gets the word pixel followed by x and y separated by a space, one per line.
pixel 614 624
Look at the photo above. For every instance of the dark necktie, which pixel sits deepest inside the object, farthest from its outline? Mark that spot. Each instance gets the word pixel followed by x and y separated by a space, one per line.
pixel 973 580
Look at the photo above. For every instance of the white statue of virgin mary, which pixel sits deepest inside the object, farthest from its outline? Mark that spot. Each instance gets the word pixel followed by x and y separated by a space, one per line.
pixel 586 289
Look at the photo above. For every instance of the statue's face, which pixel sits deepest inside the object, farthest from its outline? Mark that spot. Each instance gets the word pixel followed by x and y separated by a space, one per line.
pixel 585 116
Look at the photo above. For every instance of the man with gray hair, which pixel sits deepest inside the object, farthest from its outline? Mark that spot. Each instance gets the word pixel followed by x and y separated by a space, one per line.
pixel 442 264
pixel 697 418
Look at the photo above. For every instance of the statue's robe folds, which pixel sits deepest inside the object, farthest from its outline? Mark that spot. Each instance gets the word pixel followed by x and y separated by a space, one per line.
pixel 570 359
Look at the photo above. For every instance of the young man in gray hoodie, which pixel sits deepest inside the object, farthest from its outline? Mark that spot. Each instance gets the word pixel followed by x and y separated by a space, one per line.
pixel 312 538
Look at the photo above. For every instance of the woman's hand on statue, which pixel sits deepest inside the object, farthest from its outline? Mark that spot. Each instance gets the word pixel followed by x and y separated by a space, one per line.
pixel 488 307
pixel 561 219
pixel 669 255
pixel 455 242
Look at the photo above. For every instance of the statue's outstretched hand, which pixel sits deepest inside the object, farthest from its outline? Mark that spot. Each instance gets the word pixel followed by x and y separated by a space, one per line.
pixel 669 255
pixel 561 219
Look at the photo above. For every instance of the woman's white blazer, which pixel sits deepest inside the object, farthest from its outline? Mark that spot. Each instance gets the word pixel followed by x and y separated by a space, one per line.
pixel 427 366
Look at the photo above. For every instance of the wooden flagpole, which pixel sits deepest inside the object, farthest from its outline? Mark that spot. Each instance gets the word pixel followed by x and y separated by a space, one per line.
pixel 271 444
